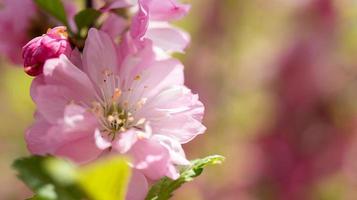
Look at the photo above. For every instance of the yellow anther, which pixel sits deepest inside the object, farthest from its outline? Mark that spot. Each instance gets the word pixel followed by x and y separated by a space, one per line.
pixel 116 94
pixel 111 118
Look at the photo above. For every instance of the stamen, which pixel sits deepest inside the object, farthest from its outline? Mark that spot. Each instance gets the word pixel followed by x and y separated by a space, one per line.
pixel 116 95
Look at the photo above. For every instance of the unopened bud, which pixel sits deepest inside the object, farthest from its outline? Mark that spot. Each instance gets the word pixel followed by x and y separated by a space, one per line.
pixel 49 45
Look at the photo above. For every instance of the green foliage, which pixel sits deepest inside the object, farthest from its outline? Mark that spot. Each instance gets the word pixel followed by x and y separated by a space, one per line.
pixel 86 18
pixel 35 173
pixel 165 187
pixel 54 179
pixel 54 8
pixel 106 180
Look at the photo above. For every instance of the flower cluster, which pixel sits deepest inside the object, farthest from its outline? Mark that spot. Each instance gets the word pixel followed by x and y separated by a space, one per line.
pixel 122 94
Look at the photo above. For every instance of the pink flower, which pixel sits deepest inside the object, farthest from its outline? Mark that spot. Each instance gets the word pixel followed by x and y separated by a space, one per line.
pixel 15 20
pixel 136 105
pixel 50 45
pixel 151 21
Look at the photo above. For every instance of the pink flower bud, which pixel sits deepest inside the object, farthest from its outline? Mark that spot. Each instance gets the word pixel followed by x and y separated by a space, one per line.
pixel 49 45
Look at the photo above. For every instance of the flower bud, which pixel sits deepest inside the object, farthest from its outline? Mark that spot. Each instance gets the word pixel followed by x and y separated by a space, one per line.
pixel 49 45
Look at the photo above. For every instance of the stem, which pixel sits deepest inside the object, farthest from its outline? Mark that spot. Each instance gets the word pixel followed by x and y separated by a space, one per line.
pixel 89 4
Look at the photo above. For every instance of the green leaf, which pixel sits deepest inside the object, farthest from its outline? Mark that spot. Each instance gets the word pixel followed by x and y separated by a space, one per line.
pixel 47 192
pixel 106 180
pixel 56 179
pixel 165 187
pixel 54 8
pixel 86 18
pixel 38 174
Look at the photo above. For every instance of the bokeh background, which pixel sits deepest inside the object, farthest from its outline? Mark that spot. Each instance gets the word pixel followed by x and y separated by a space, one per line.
pixel 279 81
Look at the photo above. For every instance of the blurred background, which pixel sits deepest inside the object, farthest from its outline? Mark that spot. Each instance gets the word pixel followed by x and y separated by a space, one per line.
pixel 279 81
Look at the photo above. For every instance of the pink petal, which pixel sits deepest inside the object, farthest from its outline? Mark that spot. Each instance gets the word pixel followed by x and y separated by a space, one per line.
pixel 172 172
pixel 151 158
pixel 177 154
pixel 59 86
pixel 35 136
pixel 126 141
pixel 174 112
pixel 182 128
pixel 71 137
pixel 166 10
pixel 114 25
pixel 80 150
pixel 76 58
pixel 134 59
pixel 138 186
pixel 157 76
pixel 168 38
pixel 101 142
pixel 63 73
pixel 99 57
pixel 50 101
pixel 140 23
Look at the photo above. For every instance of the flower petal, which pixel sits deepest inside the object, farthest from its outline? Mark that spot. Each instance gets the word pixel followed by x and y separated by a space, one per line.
pixel 166 10
pixel 99 57
pixel 158 75
pixel 167 37
pixel 126 141
pixel 151 158
pixel 174 112
pixel 140 22
pixel 176 152
pixel 62 72
pixel 71 137
pixel 138 186
pixel 114 25
pixel 35 136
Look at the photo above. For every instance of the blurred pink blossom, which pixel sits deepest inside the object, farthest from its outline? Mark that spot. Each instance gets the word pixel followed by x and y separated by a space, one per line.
pixel 135 105
pixel 50 45
pixel 15 20
pixel 18 25
pixel 304 144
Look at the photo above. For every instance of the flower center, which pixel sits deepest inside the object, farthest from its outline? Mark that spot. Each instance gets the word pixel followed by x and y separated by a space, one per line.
pixel 113 118
pixel 117 119
pixel 115 114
